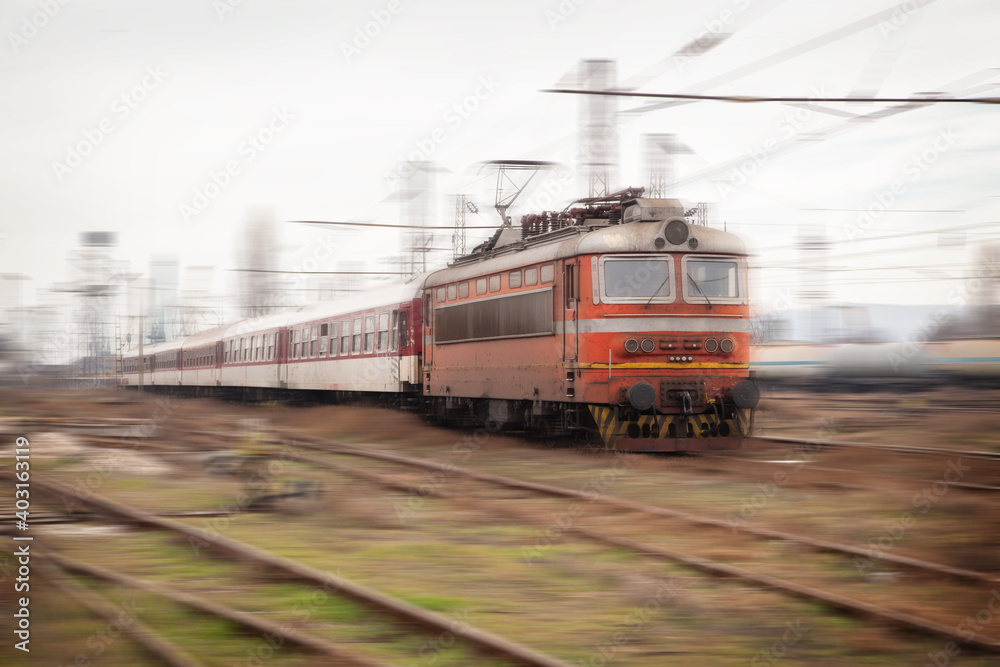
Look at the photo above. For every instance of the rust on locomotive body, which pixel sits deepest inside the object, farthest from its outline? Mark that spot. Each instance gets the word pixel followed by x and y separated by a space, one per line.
pixel 618 316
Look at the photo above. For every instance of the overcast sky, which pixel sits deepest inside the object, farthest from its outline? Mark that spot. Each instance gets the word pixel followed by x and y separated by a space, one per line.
pixel 170 121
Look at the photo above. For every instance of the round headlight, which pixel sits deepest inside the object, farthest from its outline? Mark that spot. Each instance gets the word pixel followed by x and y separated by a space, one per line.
pixel 711 345
pixel 727 345
pixel 676 232
pixel 648 345
pixel 631 345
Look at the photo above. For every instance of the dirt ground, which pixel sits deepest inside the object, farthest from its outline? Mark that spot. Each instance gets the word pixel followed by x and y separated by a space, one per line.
pixel 533 581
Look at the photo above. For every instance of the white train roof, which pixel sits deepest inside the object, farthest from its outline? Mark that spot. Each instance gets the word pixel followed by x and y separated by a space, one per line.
pixel 573 241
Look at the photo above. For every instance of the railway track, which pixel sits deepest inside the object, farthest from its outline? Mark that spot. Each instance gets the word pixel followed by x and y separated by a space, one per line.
pixel 842 603
pixel 407 614
pixel 909 405
pixel 896 449
pixel 896 618
pixel 317 444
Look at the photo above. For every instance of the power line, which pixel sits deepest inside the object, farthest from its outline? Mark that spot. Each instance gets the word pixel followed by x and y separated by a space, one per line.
pixel 753 99
pixel 372 224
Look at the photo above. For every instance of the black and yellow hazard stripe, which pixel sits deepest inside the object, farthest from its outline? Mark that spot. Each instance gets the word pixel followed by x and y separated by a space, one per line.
pixel 612 427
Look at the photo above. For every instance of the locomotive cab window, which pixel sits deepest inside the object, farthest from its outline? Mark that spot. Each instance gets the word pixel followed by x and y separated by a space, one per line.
pixel 637 279
pixel 712 280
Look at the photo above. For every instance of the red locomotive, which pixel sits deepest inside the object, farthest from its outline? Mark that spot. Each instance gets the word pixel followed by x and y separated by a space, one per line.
pixel 615 316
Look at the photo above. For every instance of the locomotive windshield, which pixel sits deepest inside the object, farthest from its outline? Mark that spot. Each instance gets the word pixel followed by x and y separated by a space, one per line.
pixel 708 278
pixel 638 277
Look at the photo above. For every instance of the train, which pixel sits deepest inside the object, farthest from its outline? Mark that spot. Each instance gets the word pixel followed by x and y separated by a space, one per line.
pixel 916 364
pixel 617 319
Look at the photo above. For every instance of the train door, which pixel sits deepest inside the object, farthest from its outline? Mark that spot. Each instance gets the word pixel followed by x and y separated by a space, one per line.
pixel 570 307
pixel 408 371
pixel 282 354
pixel 217 364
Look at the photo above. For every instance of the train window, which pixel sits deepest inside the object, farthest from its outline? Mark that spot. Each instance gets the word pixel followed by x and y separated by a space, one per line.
pixel 441 295
pixel 356 340
pixel 270 346
pixel 345 337
pixel 514 279
pixel 403 334
pixel 383 332
pixel 708 279
pixel 530 277
pixel 495 283
pixel 637 279
pixel 369 333
pixel 394 337
pixel 481 286
pixel 570 286
pixel 304 352
pixel 548 273
pixel 452 292
pixel 463 290
pixel 324 334
pixel 296 340
pixel 314 345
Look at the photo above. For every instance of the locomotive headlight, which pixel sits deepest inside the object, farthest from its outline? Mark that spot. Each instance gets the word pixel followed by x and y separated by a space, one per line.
pixel 711 345
pixel 631 345
pixel 727 345
pixel 648 345
pixel 676 231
